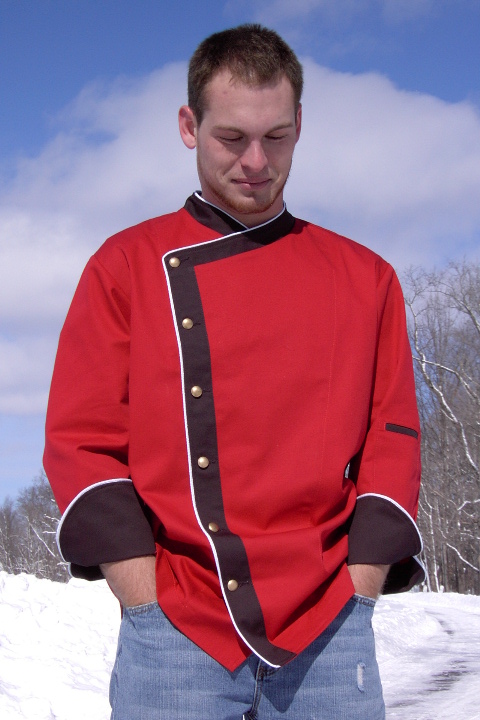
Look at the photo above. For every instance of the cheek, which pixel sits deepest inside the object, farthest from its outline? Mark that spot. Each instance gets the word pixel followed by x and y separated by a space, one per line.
pixel 284 160
pixel 215 160
pixel 223 166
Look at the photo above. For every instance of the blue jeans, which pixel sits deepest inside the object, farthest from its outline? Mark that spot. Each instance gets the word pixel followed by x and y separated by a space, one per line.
pixel 159 674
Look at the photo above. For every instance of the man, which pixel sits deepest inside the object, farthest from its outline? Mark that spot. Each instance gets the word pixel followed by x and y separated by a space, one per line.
pixel 232 430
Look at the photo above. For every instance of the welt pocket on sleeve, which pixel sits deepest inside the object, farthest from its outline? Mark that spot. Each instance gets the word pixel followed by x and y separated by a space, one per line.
pixel 401 429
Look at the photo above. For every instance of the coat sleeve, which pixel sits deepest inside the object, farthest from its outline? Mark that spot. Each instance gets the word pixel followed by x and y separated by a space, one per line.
pixel 387 469
pixel 87 431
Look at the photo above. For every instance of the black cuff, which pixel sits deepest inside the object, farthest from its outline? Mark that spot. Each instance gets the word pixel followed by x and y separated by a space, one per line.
pixel 383 533
pixel 104 524
pixel 403 576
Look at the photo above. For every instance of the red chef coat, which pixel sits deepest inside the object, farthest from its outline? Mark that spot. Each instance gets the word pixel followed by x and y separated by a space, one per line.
pixel 239 401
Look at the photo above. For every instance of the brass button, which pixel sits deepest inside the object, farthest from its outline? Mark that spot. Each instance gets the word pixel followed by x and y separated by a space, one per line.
pixel 187 323
pixel 196 391
pixel 232 585
pixel 174 262
pixel 203 462
pixel 213 527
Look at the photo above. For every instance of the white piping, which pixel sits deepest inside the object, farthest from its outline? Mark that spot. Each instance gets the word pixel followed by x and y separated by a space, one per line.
pixel 187 436
pixel 397 505
pixel 199 197
pixel 74 501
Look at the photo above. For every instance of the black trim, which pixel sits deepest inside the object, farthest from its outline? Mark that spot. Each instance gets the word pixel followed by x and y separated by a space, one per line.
pixel 222 223
pixel 403 576
pixel 107 523
pixel 382 533
pixel 211 216
pixel 232 557
pixel 401 429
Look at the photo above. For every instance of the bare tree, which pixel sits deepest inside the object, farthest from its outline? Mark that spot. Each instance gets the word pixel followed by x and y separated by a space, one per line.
pixel 10 532
pixel 444 324
pixel 27 533
pixel 444 319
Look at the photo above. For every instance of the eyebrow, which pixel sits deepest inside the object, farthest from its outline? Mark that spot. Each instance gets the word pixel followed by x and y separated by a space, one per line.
pixel 231 128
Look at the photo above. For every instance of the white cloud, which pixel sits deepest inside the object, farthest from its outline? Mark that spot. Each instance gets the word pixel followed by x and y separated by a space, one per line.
pixel 117 158
pixel 399 171
pixel 25 369
pixel 276 11
pixel 393 12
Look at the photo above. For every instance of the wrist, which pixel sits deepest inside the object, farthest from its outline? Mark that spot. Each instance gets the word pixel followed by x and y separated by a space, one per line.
pixel 368 580
pixel 132 581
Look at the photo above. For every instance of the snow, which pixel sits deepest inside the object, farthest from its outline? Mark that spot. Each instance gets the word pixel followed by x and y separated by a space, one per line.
pixel 428 649
pixel 57 647
pixel 58 641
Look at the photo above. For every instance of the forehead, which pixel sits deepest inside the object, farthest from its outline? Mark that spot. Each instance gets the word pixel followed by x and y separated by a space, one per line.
pixel 227 96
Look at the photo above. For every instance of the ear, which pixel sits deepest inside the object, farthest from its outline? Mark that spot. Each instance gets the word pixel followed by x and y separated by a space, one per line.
pixel 187 125
pixel 298 122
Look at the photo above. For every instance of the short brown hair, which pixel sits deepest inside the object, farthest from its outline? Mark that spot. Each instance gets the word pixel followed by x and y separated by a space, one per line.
pixel 254 55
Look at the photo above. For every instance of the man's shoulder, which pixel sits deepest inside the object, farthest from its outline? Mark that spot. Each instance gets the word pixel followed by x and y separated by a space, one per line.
pixel 335 243
pixel 152 228
pixel 139 245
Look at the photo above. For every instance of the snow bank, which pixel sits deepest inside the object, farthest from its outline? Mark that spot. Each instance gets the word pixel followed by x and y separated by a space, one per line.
pixel 57 647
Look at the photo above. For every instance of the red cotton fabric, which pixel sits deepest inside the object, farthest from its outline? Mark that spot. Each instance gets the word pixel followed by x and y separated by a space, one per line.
pixel 305 366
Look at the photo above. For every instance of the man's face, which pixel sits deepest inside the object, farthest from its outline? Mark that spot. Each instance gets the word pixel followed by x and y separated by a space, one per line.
pixel 245 145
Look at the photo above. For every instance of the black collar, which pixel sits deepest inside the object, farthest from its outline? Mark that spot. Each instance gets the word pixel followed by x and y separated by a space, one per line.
pixel 225 224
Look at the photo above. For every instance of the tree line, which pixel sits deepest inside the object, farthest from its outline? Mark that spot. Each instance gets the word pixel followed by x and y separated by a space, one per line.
pixel 443 313
pixel 28 527
pixel 443 308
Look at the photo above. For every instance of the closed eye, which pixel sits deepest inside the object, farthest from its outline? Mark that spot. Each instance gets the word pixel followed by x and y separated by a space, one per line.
pixel 229 139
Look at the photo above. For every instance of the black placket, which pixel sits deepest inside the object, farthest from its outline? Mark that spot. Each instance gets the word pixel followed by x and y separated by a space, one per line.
pixel 199 408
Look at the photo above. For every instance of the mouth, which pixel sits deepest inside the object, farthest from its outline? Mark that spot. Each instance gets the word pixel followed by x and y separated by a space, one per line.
pixel 252 184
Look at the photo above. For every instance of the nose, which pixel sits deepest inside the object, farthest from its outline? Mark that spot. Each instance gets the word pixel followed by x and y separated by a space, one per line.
pixel 254 158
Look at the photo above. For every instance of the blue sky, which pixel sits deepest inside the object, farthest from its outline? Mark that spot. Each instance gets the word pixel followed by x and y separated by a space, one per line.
pixel 50 49
pixel 390 153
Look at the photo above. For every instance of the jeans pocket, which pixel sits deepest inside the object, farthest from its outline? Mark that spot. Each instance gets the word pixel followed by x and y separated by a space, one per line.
pixel 364 600
pixel 141 609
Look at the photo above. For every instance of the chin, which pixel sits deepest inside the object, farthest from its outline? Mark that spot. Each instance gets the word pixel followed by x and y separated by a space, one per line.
pixel 251 208
pixel 247 205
